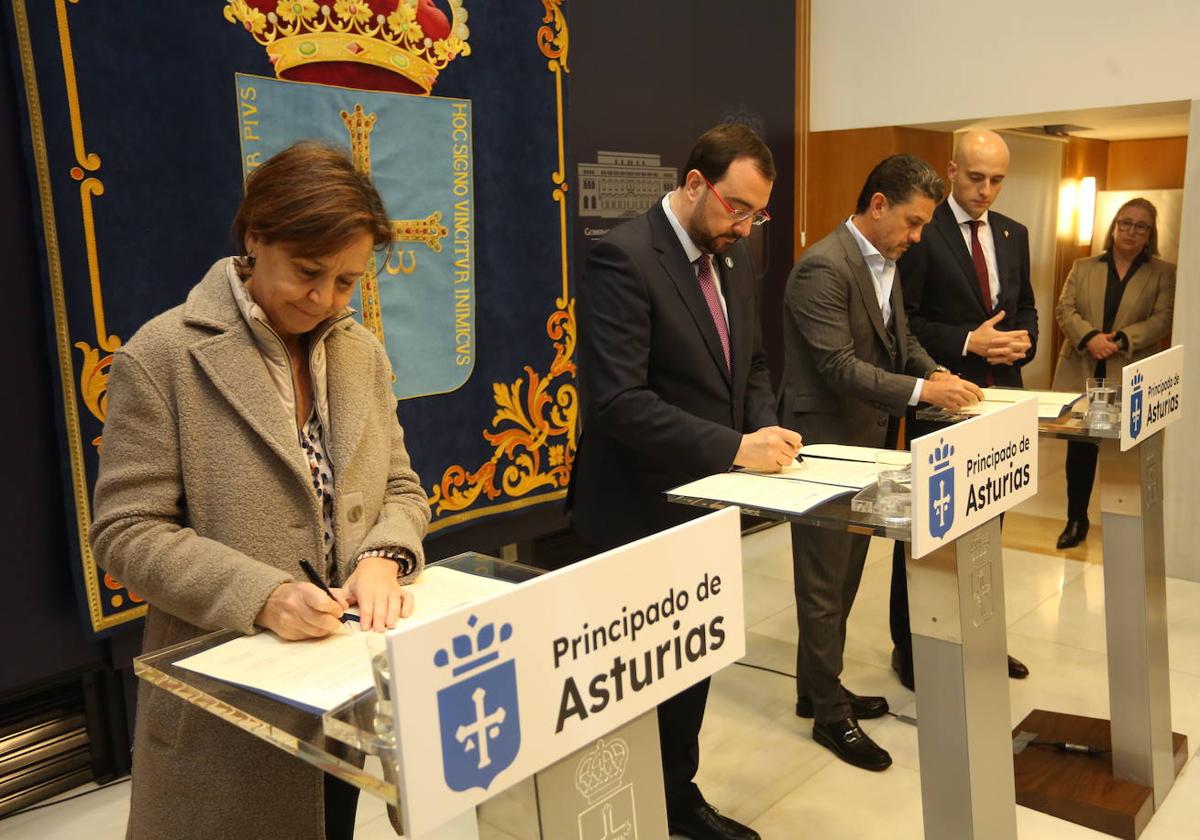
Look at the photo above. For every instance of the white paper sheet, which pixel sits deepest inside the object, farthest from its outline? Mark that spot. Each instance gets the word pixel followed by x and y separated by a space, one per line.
pixel 760 491
pixel 1051 404
pixel 323 673
pixel 850 474
pixel 842 452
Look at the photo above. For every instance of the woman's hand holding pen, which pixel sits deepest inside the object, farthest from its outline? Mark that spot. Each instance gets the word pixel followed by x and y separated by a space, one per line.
pixel 381 600
pixel 302 611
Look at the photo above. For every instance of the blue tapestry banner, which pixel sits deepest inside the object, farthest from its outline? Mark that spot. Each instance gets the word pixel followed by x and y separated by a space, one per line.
pixel 140 125
pixel 419 301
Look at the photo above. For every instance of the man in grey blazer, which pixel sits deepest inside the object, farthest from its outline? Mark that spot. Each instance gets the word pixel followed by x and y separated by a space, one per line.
pixel 850 365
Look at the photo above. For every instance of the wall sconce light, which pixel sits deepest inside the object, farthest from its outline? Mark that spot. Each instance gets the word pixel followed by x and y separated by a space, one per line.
pixel 1066 208
pixel 1086 209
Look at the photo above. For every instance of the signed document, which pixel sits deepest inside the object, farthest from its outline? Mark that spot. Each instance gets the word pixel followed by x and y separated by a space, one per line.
pixel 1050 404
pixel 761 492
pixel 319 674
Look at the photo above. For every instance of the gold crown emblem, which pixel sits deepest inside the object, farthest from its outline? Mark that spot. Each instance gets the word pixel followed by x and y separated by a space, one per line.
pixel 303 33
pixel 600 771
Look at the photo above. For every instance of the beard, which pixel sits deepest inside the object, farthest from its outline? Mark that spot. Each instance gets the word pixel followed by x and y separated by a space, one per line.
pixel 705 239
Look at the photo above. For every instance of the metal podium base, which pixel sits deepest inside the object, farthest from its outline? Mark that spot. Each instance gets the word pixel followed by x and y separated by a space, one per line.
pixel 1082 788
pixel 956 601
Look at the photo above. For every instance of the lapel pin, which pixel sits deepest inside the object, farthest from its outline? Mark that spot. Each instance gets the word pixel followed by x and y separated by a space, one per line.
pixel 1006 233
pixel 729 262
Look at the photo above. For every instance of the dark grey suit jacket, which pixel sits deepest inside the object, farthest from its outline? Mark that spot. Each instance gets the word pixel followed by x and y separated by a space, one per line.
pixel 844 371
pixel 945 302
pixel 660 407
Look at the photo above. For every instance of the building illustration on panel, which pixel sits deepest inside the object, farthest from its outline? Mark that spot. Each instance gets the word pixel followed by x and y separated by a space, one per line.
pixel 622 184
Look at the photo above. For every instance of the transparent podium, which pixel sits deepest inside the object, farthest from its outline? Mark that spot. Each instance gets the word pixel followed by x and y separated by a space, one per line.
pixel 1118 796
pixel 339 741
pixel 956 601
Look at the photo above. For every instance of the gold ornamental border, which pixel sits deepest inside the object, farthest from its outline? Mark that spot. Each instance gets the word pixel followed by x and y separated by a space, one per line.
pixel 95 367
pixel 531 411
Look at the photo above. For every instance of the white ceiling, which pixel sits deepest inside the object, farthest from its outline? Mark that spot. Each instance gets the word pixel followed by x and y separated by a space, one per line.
pixel 1126 122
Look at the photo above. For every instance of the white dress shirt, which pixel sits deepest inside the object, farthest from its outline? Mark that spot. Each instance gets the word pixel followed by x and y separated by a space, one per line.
pixel 693 254
pixel 883 275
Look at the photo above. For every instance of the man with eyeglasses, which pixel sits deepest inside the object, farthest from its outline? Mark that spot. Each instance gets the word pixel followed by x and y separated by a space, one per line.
pixel 674 387
pixel 851 367
pixel 970 303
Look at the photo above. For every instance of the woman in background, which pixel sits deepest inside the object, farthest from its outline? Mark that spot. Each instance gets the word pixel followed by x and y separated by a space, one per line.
pixel 249 428
pixel 1114 309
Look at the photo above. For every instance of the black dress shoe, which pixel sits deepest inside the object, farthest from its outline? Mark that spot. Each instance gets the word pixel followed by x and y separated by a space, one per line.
pixel 1073 534
pixel 853 746
pixel 863 708
pixel 904 670
pixel 704 823
pixel 1017 669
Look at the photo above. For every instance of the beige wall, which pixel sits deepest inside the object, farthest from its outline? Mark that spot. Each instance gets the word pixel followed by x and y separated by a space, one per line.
pixel 878 63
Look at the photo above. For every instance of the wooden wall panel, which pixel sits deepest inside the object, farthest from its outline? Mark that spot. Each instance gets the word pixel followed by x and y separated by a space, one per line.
pixel 839 162
pixel 1146 164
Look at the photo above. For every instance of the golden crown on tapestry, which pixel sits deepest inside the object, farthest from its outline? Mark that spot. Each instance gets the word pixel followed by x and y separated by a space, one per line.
pixel 388 45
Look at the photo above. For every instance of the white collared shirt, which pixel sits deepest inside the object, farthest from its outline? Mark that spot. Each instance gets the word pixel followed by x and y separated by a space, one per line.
pixel 883 275
pixel 693 253
pixel 883 270
pixel 986 241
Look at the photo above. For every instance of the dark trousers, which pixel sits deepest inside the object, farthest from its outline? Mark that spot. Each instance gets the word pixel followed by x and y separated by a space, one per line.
pixel 679 721
pixel 827 567
pixel 1081 475
pixel 898 616
pixel 341 807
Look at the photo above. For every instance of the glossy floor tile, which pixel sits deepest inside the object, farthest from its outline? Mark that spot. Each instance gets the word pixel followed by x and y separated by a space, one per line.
pixel 759 763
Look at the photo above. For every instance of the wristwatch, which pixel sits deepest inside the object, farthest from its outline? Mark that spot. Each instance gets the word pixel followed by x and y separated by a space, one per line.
pixel 938 369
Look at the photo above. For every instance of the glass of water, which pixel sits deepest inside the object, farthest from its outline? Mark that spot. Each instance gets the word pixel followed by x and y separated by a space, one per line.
pixel 1103 403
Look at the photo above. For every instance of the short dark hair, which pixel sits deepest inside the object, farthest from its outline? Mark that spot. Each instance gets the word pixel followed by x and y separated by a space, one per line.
pixel 311 198
pixel 898 177
pixel 1151 243
pixel 721 145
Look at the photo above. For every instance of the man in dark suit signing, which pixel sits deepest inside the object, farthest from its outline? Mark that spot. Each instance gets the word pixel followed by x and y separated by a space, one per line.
pixel 851 363
pixel 674 386
pixel 970 303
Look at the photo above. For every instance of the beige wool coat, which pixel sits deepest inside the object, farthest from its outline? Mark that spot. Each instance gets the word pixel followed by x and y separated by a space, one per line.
pixel 204 505
pixel 1145 315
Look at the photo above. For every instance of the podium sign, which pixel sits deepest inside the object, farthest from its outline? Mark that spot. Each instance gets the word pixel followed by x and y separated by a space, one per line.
pixel 490 693
pixel 1152 395
pixel 967 473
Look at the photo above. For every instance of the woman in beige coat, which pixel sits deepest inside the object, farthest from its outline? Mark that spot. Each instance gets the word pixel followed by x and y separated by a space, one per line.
pixel 1114 309
pixel 249 428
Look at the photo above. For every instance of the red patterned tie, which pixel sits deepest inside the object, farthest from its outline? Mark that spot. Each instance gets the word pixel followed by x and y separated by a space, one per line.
pixel 981 271
pixel 708 286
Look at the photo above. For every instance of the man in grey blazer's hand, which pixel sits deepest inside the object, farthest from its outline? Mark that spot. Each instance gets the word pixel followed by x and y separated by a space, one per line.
pixel 851 363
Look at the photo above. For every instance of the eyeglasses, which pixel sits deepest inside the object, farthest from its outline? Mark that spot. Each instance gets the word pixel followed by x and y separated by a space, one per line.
pixel 1127 225
pixel 738 216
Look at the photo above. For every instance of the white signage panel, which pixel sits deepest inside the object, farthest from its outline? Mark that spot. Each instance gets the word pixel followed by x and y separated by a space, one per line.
pixel 1151 395
pixel 967 473
pixel 492 692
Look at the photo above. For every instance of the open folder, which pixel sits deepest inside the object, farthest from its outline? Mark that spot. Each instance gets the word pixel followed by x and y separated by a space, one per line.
pixel 319 674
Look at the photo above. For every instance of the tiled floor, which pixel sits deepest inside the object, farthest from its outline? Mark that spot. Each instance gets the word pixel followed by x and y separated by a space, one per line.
pixel 759 763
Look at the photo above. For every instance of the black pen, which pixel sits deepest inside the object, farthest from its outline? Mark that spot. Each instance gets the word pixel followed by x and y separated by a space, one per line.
pixel 314 578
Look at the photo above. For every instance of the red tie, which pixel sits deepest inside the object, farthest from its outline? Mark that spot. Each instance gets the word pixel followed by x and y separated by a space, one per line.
pixel 981 271
pixel 981 274
pixel 708 286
